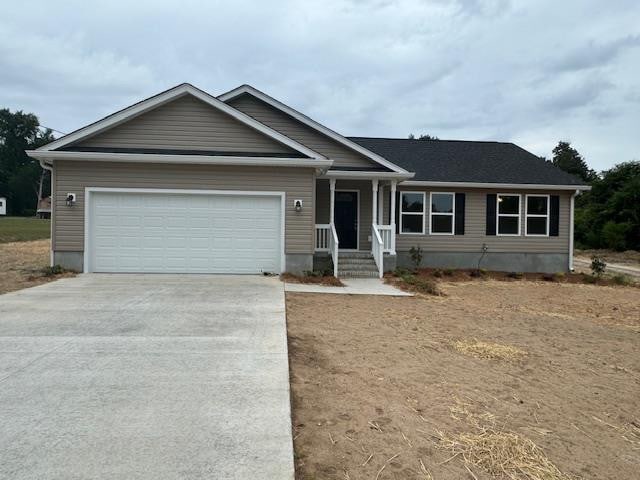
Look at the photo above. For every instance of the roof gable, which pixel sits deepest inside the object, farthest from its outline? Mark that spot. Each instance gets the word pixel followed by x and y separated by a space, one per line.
pixel 120 118
pixel 343 151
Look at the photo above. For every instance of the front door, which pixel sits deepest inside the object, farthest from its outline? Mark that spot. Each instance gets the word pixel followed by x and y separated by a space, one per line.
pixel 346 219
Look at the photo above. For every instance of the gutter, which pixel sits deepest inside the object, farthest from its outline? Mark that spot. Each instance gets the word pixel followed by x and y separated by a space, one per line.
pixel 46 166
pixel 180 159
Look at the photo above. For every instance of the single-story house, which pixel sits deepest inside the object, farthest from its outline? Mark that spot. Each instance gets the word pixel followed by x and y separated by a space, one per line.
pixel 187 182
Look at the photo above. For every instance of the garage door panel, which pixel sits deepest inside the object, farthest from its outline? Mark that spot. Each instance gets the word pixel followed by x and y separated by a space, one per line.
pixel 153 232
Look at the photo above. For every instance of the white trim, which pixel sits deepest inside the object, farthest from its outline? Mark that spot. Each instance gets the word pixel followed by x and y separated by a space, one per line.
pixel 357 190
pixel 511 215
pixel 536 215
pixel 363 174
pixel 452 215
pixel 392 216
pixel 89 190
pixel 45 166
pixel 424 211
pixel 523 186
pixel 242 89
pixel 571 228
pixel 190 159
pixel 165 97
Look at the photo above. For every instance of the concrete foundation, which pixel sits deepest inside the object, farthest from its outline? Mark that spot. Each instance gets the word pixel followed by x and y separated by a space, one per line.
pixel 299 263
pixel 506 262
pixel 69 260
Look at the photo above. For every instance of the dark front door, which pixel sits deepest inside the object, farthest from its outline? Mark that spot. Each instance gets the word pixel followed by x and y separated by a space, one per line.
pixel 346 219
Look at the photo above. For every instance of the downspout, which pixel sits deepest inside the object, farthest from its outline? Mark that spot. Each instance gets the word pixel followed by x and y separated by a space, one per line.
pixel 571 220
pixel 50 168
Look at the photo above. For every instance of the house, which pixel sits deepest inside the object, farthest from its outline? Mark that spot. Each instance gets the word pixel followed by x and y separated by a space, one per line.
pixel 186 182
pixel 44 208
pixel 3 206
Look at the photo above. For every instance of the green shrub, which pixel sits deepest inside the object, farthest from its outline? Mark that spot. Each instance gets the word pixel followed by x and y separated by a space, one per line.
pixel 516 275
pixel 559 276
pixel 598 266
pixel 416 256
pixel 448 272
pixel 614 235
pixel 51 271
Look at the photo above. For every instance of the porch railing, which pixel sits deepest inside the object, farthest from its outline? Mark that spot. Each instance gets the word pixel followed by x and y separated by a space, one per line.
pixel 323 234
pixel 333 248
pixel 377 248
pixel 327 241
pixel 386 233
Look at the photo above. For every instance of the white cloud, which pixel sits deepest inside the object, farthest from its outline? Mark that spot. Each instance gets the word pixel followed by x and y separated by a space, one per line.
pixel 532 73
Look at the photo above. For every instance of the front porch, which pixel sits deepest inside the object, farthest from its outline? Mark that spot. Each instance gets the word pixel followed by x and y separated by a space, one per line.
pixel 355 223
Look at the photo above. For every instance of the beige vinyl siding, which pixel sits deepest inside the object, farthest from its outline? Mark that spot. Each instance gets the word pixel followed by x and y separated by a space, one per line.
pixel 475 227
pixel 323 203
pixel 301 133
pixel 186 123
pixel 72 176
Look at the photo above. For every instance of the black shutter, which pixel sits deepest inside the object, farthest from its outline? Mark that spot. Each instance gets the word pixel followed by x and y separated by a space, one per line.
pixel 397 212
pixel 460 204
pixel 492 199
pixel 554 218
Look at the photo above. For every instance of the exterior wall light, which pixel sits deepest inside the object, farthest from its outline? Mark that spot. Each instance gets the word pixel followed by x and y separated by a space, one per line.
pixel 297 204
pixel 71 199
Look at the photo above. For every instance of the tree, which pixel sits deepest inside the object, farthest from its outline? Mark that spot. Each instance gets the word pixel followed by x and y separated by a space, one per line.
pixel 608 216
pixel 568 159
pixel 22 180
pixel 422 137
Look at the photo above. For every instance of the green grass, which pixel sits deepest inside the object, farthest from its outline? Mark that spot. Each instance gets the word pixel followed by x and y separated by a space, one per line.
pixel 23 229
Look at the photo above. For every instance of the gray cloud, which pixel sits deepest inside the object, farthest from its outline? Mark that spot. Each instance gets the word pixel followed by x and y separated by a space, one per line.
pixel 470 69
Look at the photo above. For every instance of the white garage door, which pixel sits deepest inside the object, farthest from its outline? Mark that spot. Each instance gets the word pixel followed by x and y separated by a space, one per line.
pixel 184 233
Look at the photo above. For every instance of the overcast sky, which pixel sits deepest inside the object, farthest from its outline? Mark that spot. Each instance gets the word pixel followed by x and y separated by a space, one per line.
pixel 531 72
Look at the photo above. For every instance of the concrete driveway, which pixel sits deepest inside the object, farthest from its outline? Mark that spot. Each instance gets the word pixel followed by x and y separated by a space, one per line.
pixel 145 377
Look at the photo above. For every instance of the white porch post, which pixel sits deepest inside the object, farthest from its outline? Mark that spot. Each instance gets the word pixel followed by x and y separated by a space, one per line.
pixel 332 197
pixel 374 202
pixel 381 205
pixel 392 217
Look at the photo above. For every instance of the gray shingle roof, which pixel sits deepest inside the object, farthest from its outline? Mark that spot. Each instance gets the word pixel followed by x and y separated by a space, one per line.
pixel 467 161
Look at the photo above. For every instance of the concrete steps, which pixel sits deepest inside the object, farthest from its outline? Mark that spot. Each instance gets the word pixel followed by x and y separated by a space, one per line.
pixel 357 265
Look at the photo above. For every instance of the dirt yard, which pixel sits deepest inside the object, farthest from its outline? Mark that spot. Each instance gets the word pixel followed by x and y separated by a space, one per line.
pixel 23 264
pixel 528 379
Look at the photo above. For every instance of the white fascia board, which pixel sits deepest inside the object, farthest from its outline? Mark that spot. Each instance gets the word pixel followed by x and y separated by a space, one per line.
pixel 44 156
pixel 368 175
pixel 521 186
pixel 311 123
pixel 165 97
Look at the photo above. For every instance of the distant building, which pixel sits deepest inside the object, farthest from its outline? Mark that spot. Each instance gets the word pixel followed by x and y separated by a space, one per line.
pixel 44 208
pixel 3 206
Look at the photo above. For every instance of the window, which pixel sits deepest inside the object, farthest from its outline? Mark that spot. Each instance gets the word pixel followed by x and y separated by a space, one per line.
pixel 442 213
pixel 537 215
pixel 508 214
pixel 412 212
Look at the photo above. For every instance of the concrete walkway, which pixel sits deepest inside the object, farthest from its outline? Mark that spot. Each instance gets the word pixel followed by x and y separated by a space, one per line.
pixel 353 286
pixel 145 377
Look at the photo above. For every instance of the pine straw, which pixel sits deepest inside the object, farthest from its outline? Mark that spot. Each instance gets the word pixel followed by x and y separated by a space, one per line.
pixel 502 454
pixel 478 349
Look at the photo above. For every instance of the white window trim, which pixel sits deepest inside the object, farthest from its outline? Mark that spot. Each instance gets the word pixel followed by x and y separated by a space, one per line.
pixel 452 215
pixel 536 215
pixel 424 210
pixel 512 215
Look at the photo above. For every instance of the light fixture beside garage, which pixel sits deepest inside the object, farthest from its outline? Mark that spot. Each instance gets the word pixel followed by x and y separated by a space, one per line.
pixel 71 199
pixel 297 204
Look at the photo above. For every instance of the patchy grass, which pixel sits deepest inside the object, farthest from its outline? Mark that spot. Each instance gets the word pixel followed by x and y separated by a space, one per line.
pixel 328 280
pixel 478 349
pixel 409 281
pixel 23 229
pixel 629 257
pixel 26 264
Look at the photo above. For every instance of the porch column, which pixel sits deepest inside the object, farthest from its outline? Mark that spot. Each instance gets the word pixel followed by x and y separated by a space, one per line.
pixel 332 198
pixel 374 201
pixel 381 205
pixel 392 217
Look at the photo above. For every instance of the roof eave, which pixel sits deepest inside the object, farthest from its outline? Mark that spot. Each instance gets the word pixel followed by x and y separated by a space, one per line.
pixel 522 186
